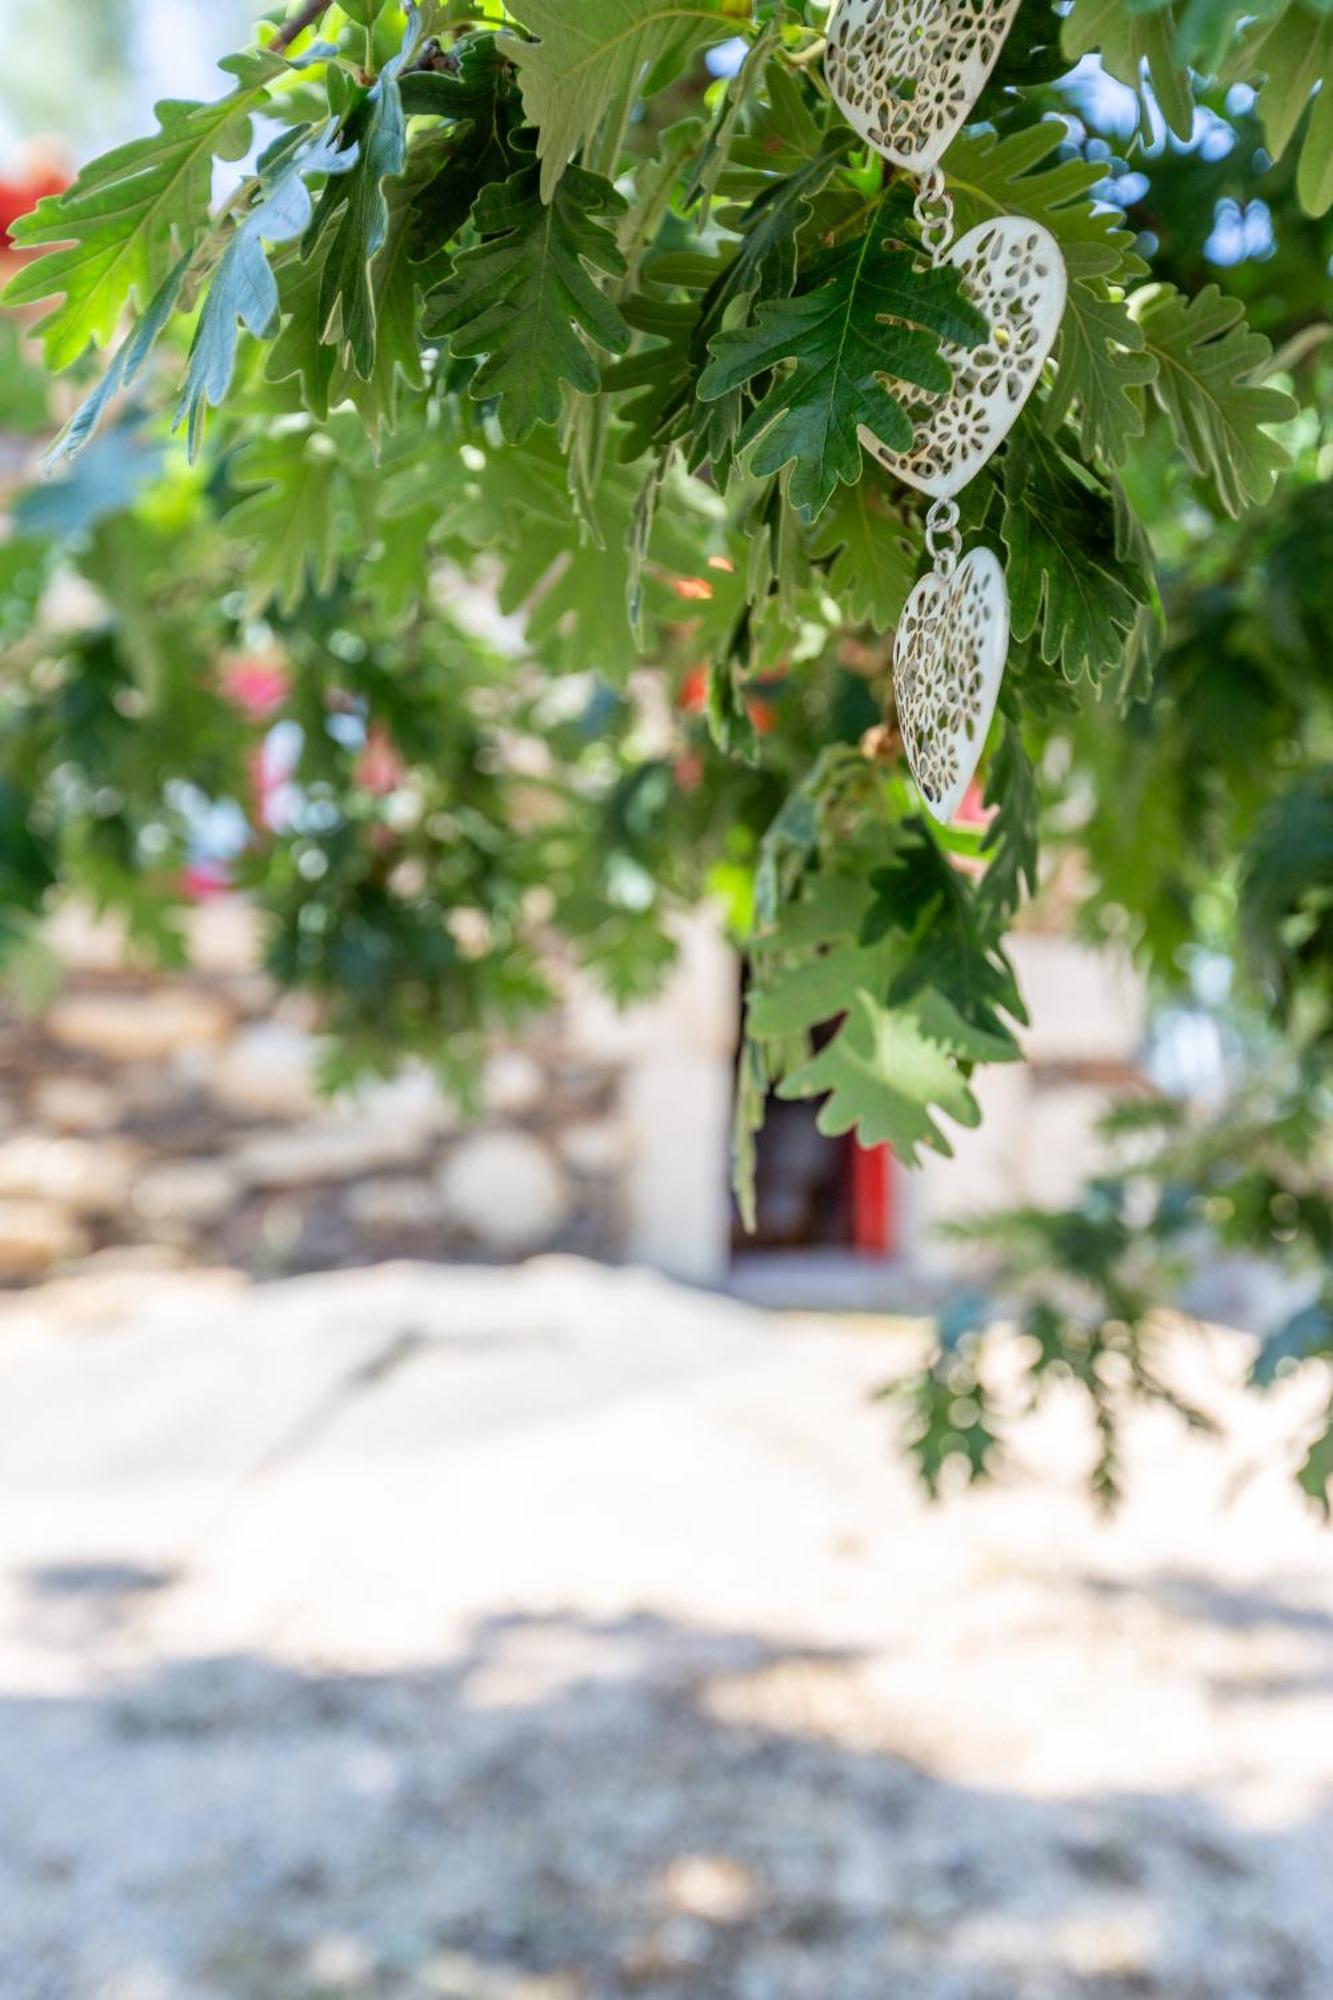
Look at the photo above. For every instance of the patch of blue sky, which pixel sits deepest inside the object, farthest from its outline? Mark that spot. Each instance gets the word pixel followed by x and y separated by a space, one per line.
pixel 727 57
pixel 1240 234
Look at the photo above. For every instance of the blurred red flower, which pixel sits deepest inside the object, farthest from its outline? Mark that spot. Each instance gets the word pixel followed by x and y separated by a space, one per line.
pixel 257 687
pixel 40 172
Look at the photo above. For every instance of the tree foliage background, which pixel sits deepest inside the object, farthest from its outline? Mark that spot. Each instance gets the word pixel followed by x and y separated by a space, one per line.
pixel 572 309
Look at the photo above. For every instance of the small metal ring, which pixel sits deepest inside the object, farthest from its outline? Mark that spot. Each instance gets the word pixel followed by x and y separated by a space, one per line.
pixel 944 541
pixel 933 210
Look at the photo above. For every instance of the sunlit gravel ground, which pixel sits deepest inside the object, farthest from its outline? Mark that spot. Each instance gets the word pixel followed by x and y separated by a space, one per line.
pixel 567 1636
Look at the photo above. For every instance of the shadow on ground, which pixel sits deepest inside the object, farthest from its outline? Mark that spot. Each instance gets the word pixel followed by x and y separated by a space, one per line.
pixel 579 1810
pixel 1200 1599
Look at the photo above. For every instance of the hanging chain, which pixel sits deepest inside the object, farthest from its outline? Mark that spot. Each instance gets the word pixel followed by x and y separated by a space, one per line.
pixel 944 542
pixel 933 209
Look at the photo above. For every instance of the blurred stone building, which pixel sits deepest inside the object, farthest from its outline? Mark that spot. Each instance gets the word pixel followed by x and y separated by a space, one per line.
pixel 181 1117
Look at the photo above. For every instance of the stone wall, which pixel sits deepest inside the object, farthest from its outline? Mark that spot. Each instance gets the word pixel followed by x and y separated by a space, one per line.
pixel 182 1116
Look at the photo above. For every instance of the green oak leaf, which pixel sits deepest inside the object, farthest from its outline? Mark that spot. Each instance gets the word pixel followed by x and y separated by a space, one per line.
pixel 358 207
pixel 396 571
pixel 888 1071
pixel 395 283
pixel 763 265
pixel 243 286
pixel 1102 367
pixel 921 896
pixel 990 175
pixel 572 592
pixel 483 112
pixel 288 514
pixel 802 996
pixel 871 313
pixel 724 292
pixel 123 225
pixel 872 553
pixel 1207 358
pixel 1070 584
pixel 593 58
pixel 326 376
pixel 1011 842
pixel 298 350
pixel 717 150
pixel 897 958
pixel 524 298
pixel 655 380
pixel 125 367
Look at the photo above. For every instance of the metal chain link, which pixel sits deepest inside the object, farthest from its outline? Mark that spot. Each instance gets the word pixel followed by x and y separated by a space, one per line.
pixel 944 542
pixel 933 209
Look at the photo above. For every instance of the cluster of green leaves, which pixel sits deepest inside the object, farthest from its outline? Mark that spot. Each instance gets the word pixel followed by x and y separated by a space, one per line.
pixel 1078 1295
pixel 1208 833
pixel 437 833
pixel 522 294
pixel 863 919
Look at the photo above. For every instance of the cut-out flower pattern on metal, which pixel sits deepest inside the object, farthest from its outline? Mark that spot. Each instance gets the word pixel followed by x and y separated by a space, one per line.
pixel 948 661
pixel 1014 275
pixel 906 73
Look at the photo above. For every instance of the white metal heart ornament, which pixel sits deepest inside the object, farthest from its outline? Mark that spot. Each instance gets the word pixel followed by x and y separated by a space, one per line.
pixel 1014 275
pixel 948 662
pixel 906 73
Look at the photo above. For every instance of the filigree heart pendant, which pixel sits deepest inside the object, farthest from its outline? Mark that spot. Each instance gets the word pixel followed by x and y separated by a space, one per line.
pixel 948 662
pixel 1014 275
pixel 906 73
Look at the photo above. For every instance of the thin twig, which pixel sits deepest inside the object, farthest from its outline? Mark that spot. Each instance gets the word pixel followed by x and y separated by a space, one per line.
pixel 305 17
